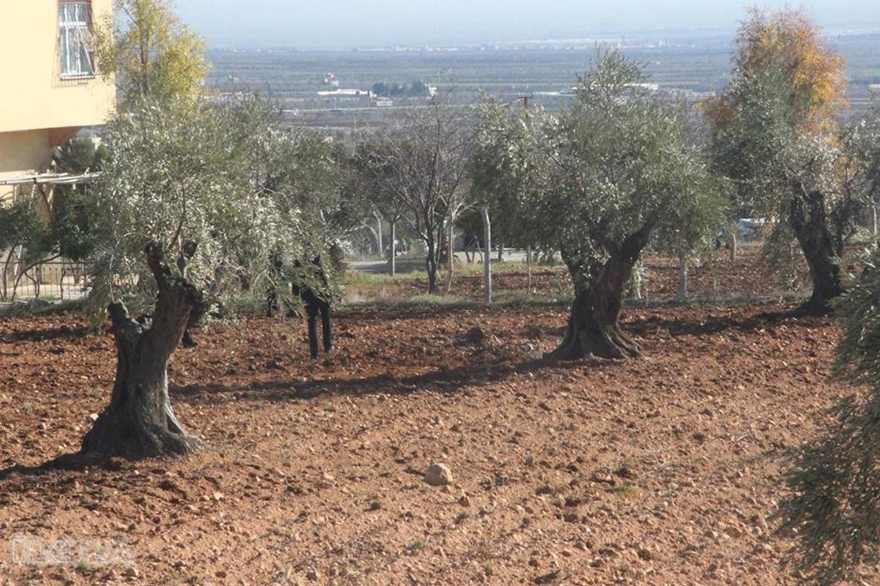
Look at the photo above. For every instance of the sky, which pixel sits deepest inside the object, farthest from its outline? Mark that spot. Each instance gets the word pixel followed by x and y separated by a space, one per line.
pixel 388 23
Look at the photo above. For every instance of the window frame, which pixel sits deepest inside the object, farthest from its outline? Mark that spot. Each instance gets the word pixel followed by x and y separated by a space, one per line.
pixel 76 57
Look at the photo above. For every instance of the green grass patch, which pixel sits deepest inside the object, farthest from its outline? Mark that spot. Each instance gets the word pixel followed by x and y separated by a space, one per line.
pixel 626 491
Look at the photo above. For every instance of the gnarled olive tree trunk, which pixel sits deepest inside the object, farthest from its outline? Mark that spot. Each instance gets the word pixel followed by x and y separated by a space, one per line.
pixel 139 421
pixel 809 223
pixel 593 325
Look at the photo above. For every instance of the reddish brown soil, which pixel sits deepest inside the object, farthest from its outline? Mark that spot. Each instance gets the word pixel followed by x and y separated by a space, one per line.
pixel 662 470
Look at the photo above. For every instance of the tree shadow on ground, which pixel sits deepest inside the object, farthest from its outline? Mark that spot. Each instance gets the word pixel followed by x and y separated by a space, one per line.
pixel 465 379
pixel 791 316
pixel 62 332
pixel 71 462
pixel 443 380
pixel 471 376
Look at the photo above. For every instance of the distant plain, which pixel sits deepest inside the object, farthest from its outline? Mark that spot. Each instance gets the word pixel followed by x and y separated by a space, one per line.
pixel 544 72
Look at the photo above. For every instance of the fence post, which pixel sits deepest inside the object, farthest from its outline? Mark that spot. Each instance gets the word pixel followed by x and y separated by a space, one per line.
pixel 487 261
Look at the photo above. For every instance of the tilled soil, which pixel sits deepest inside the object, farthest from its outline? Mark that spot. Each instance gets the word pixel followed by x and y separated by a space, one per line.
pixel 660 470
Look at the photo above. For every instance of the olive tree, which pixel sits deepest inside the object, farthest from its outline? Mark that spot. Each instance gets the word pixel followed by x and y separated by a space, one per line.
pixel 505 176
pixel 305 173
pixel 835 478
pixel 774 134
pixel 611 170
pixel 860 144
pixel 185 213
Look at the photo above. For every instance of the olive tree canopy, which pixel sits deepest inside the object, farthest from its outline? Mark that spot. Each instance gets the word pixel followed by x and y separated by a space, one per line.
pixel 835 478
pixel 603 177
pixel 194 203
pixel 774 134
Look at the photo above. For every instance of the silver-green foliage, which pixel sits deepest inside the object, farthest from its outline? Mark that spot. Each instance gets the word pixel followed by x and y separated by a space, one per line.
pixel 834 506
pixel 861 141
pixel 507 175
pixel 220 175
pixel 768 150
pixel 618 161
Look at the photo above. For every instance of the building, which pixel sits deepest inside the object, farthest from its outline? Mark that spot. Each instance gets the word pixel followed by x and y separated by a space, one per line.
pixel 338 97
pixel 51 86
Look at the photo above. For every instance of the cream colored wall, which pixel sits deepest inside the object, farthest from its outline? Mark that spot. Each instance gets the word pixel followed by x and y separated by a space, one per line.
pixel 32 94
pixel 21 153
pixel 39 110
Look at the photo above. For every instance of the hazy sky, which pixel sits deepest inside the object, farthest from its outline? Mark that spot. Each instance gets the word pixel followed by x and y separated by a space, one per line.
pixel 349 23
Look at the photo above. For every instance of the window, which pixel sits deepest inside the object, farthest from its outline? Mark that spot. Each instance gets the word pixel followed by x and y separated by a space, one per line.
pixel 74 24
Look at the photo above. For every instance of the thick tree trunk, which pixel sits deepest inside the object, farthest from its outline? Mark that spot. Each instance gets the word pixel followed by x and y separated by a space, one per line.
pixel 809 224
pixel 593 326
pixel 139 421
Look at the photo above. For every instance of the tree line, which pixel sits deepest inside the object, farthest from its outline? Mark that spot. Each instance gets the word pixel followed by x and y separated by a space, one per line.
pixel 394 90
pixel 199 196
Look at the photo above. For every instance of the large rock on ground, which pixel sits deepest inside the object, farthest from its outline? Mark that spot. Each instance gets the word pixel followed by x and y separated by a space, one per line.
pixel 438 475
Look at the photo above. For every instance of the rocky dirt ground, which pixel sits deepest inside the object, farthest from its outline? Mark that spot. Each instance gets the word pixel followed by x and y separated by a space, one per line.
pixel 663 470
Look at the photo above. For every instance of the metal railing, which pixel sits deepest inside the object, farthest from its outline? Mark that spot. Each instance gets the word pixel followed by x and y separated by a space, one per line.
pixel 51 280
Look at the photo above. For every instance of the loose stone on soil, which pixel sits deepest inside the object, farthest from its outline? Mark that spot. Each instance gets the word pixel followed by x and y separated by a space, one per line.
pixel 438 475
